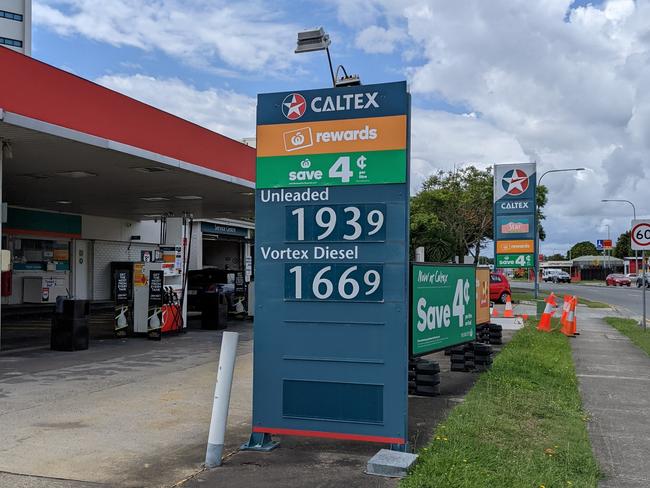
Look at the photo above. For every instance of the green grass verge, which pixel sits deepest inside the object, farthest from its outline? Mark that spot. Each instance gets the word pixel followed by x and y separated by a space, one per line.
pixel 631 329
pixel 593 304
pixel 519 295
pixel 521 425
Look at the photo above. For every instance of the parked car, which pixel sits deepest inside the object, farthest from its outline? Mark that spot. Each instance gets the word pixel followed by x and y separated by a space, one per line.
pixel 555 275
pixel 209 280
pixel 499 287
pixel 560 277
pixel 639 281
pixel 617 280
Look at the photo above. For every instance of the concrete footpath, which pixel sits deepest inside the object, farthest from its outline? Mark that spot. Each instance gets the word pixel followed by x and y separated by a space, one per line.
pixel 124 413
pixel 614 377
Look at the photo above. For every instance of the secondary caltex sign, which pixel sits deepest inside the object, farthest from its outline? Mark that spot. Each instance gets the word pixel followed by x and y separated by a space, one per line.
pixel 443 306
pixel 514 215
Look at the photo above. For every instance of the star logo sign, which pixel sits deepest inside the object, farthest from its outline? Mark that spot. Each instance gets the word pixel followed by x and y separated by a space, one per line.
pixel 294 106
pixel 515 182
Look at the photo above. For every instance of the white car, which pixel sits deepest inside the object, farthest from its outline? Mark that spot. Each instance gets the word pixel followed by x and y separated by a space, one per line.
pixel 556 276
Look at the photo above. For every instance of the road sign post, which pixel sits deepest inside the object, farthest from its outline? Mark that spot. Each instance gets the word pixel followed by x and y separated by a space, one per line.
pixel 331 265
pixel 640 240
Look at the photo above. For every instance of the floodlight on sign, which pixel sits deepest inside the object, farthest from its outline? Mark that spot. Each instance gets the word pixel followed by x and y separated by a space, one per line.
pixel 312 40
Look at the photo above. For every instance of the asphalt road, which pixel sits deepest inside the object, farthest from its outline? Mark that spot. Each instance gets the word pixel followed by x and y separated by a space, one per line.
pixel 628 300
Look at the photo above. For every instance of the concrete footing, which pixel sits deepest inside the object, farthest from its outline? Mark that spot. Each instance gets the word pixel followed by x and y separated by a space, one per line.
pixel 392 464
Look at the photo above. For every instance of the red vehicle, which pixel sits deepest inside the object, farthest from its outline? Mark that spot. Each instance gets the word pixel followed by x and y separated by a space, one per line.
pixel 499 287
pixel 617 280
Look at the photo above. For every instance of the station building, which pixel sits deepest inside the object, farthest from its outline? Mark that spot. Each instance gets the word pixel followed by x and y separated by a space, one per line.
pixel 90 176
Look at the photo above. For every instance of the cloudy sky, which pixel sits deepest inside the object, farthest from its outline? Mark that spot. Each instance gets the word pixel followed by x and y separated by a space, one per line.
pixel 560 82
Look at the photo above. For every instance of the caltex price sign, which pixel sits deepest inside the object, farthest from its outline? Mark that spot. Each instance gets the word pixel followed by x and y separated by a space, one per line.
pixel 331 264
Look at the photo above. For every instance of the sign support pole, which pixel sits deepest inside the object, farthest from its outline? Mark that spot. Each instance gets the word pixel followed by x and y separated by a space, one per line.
pixel 644 288
pixel 536 255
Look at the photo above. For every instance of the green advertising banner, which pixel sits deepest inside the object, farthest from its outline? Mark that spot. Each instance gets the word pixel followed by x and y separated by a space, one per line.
pixel 515 261
pixel 355 168
pixel 443 306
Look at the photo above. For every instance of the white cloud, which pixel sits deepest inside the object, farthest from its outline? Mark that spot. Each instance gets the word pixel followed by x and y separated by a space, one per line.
pixel 441 140
pixel 570 86
pixel 377 40
pixel 226 112
pixel 242 35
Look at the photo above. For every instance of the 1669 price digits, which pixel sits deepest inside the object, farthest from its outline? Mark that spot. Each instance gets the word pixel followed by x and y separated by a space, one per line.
pixel 334 282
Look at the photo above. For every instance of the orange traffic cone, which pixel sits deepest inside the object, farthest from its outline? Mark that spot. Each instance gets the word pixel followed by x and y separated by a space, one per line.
pixel 508 311
pixel 495 312
pixel 574 324
pixel 545 321
pixel 568 322
pixel 566 305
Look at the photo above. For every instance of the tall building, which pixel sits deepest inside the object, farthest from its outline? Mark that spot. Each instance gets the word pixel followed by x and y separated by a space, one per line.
pixel 16 25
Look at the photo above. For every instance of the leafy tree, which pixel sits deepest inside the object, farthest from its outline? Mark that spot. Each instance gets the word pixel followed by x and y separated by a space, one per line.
pixel 584 248
pixel 623 246
pixel 484 260
pixel 452 215
pixel 556 257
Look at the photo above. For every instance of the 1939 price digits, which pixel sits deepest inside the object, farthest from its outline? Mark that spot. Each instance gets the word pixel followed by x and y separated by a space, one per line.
pixel 334 282
pixel 364 222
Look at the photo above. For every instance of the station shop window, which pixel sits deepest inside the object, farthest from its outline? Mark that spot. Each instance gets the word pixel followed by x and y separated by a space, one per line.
pixel 11 42
pixel 11 16
pixel 40 255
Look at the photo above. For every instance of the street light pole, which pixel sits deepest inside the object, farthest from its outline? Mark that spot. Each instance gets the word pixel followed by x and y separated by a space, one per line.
pixel 636 253
pixel 536 255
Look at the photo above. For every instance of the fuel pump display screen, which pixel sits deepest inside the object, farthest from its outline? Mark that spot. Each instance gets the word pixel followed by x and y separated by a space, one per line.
pixel 155 312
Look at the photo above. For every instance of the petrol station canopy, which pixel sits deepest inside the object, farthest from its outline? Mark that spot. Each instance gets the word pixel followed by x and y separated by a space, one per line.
pixel 78 147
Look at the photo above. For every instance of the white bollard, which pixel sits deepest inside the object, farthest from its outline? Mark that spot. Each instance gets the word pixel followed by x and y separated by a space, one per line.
pixel 221 399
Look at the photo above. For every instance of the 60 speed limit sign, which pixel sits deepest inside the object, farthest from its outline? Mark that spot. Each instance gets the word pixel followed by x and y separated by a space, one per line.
pixel 640 235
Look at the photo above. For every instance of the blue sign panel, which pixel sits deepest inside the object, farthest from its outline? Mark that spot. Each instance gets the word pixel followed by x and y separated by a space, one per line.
pixel 331 280
pixel 326 104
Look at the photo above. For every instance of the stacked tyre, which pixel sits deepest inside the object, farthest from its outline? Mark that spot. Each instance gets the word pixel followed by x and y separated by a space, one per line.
pixel 482 357
pixel 424 378
pixel 483 333
pixel 496 334
pixel 462 358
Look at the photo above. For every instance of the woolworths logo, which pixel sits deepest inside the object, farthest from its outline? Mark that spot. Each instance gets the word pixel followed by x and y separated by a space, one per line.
pixel 302 138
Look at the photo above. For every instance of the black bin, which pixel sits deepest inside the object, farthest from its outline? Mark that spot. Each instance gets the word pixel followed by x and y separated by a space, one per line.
pixel 70 325
pixel 214 311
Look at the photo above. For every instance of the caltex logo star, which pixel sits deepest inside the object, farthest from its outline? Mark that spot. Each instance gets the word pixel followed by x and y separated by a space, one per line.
pixel 294 106
pixel 515 182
